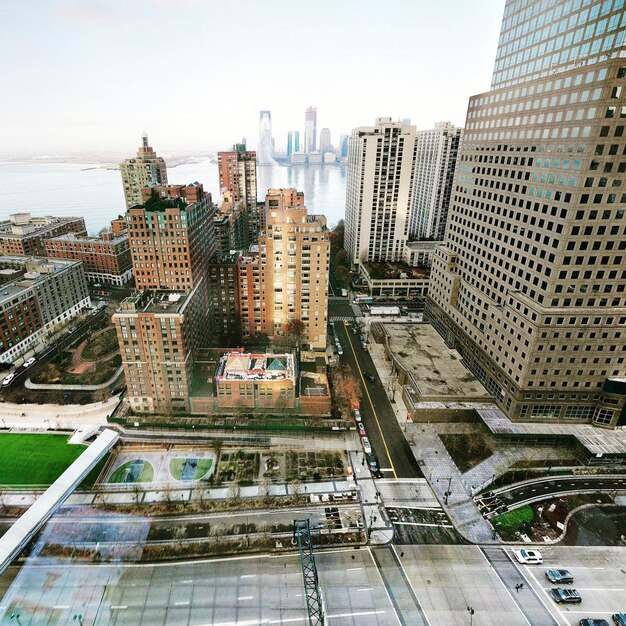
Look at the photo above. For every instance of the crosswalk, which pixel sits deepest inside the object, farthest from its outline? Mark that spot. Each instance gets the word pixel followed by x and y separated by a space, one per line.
pixel 345 318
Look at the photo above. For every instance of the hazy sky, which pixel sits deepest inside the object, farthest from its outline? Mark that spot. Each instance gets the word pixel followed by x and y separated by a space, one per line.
pixel 93 74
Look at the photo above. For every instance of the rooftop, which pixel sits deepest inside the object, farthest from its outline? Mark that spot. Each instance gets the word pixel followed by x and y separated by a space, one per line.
pixel 23 224
pixel 385 270
pixel 436 371
pixel 160 301
pixel 247 366
pixel 100 240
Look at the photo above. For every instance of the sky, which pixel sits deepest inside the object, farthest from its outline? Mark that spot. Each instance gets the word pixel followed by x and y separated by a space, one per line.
pixel 92 75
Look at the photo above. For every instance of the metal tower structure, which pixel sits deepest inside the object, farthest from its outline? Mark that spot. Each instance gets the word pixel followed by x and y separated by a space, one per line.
pixel 302 534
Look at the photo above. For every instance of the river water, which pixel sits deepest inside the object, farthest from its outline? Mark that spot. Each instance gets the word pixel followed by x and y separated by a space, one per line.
pixel 95 193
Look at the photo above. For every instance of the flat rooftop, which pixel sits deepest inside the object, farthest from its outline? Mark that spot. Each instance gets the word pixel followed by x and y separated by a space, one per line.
pixel 246 366
pixel 437 371
pixel 154 302
pixel 386 270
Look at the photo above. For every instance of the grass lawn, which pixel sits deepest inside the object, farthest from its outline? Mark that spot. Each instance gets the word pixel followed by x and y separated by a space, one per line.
pixel 176 467
pixel 101 346
pixel 204 465
pixel 35 459
pixel 517 520
pixel 146 474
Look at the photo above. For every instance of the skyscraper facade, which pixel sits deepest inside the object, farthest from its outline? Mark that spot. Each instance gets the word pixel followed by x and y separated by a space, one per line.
pixel 293 142
pixel 146 169
pixel 434 173
pixel 379 190
pixel 266 142
pixel 310 129
pixel 161 327
pixel 286 278
pixel 238 182
pixel 325 144
pixel 530 283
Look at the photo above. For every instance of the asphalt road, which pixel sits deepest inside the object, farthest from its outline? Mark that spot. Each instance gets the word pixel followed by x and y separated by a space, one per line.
pixel 388 442
pixel 540 490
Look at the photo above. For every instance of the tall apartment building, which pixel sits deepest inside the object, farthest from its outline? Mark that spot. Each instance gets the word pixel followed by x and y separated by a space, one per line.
pixel 379 190
pixel 42 294
pixel 225 320
pixel 161 328
pixel 310 129
pixel 530 283
pixel 146 169
pixel 106 258
pixel 437 151
pixel 293 256
pixel 25 235
pixel 238 184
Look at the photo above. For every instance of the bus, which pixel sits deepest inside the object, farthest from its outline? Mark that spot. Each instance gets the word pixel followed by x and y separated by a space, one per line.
pixel 363 300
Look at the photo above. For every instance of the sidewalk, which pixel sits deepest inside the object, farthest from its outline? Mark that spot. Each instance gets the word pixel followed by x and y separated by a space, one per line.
pixel 437 466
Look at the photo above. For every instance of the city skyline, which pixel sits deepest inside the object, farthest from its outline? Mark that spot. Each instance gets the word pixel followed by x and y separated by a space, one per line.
pixel 88 94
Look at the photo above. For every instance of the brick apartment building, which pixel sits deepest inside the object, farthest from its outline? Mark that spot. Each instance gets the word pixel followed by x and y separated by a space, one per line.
pixel 25 235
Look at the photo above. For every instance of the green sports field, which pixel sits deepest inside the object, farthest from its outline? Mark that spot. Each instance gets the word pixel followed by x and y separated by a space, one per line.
pixel 35 459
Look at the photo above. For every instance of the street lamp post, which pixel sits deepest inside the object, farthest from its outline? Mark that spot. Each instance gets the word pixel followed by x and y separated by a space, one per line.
pixel 448 490
pixel 16 617
pixel 79 618
pixel 470 610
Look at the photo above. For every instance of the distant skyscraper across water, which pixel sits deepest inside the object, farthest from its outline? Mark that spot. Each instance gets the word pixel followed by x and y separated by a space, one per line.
pixel 529 286
pixel 325 144
pixel 265 152
pixel 310 129
pixel 293 142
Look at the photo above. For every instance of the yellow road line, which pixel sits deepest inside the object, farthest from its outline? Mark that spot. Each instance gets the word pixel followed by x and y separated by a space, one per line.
pixel 367 391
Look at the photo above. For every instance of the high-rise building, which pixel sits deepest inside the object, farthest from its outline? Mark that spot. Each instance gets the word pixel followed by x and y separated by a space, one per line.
pixel 530 283
pixel 40 296
pixel 287 277
pixel 266 142
pixel 310 129
pixel 161 328
pixel 325 144
pixel 343 146
pixel 237 172
pixel 434 173
pixel 146 169
pixel 379 190
pixel 293 142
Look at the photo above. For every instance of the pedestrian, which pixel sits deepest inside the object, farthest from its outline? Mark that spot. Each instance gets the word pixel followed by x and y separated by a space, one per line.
pixel 521 585
pixel 517 588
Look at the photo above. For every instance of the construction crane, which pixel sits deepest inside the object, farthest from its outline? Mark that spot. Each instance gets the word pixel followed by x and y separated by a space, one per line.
pixel 302 536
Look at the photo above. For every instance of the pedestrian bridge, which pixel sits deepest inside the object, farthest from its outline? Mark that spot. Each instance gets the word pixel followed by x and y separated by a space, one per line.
pixel 18 536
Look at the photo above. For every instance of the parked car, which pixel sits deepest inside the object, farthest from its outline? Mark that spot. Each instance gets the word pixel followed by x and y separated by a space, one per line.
pixel 590 621
pixel 364 346
pixel 619 619
pixel 8 380
pixel 565 596
pixel 557 576
pixel 372 462
pixel 339 350
pixel 369 377
pixel 356 414
pixel 29 362
pixel 529 557
pixel 355 331
pixel 361 429
pixel 366 445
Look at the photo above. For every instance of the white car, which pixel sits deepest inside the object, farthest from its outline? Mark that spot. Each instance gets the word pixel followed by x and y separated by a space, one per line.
pixel 30 362
pixel 8 380
pixel 529 557
pixel 366 445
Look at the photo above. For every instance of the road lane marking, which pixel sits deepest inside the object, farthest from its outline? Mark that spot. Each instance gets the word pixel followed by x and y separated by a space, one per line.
pixel 493 569
pixel 408 580
pixel 543 591
pixel 353 569
pixel 369 397
pixel 356 614
pixel 119 607
pixel 245 598
pixel 365 589
pixel 61 606
pixel 248 576
pixel 181 603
